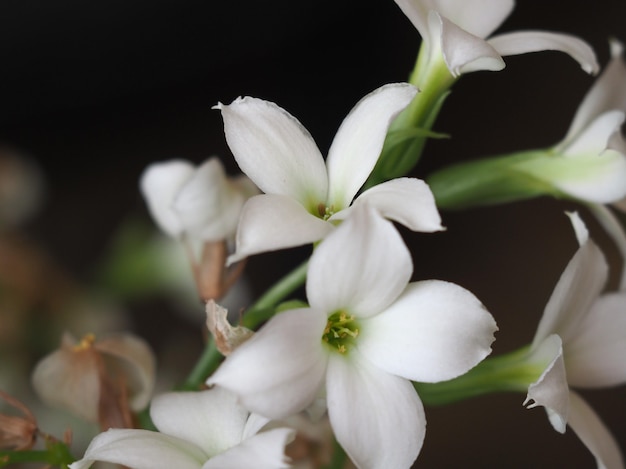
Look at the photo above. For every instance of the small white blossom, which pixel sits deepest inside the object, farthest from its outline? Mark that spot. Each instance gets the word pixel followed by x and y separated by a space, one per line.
pixel 304 196
pixel 202 203
pixel 459 33
pixel 582 340
pixel 366 333
pixel 197 430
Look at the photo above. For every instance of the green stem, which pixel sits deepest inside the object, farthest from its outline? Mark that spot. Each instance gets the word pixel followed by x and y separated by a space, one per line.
pixel 506 373
pixel 206 364
pixel 57 454
pixel 263 309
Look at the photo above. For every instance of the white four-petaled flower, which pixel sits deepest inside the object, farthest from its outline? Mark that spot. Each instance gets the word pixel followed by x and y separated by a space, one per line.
pixel 304 196
pixel 582 338
pixel 197 430
pixel 201 203
pixel 366 334
pixel 457 32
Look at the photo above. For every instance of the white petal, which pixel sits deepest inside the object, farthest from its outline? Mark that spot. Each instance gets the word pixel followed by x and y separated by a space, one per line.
pixel 141 449
pixel 613 227
pixel 417 13
pixel 434 332
pixel 357 145
pixel 580 284
pixel 271 222
pixel 70 379
pixel 212 419
pixel 132 358
pixel 275 150
pixel 594 434
pixel 208 205
pixel 263 451
pixel 377 418
pixel 159 184
pixel 477 17
pixel 407 201
pixel 551 389
pixel 594 138
pixel 582 233
pixel 523 42
pixel 361 267
pixel 462 51
pixel 607 93
pixel 278 371
pixel 595 356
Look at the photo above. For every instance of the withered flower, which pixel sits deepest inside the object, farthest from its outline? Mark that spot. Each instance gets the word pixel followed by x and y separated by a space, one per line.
pixel 101 381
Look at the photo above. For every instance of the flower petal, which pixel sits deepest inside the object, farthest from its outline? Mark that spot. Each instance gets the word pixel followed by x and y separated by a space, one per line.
pixel 159 184
pixel 359 141
pixel 270 222
pixel 68 378
pixel 131 357
pixel 377 418
pixel 607 93
pixel 278 371
pixel 594 434
pixel 523 42
pixel 407 201
pixel 613 227
pixel 434 332
pixel 263 451
pixel 594 358
pixel 141 449
pixel 477 17
pixel 275 150
pixel 594 138
pixel 551 389
pixel 212 419
pixel 580 284
pixel 362 267
pixel 208 205
pixel 462 51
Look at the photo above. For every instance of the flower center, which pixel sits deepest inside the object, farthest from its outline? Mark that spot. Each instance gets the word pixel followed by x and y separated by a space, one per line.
pixel 85 343
pixel 341 330
pixel 325 212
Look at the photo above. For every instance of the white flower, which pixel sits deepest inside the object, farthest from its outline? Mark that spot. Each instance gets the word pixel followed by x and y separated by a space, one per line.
pixel 198 430
pixel 303 195
pixel 202 202
pixel 582 339
pixel 364 336
pixel 458 31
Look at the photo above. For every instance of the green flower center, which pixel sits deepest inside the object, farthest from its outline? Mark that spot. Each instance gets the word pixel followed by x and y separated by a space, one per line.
pixel 340 332
pixel 325 212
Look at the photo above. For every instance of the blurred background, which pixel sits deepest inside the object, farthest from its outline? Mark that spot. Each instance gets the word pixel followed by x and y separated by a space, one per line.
pixel 93 92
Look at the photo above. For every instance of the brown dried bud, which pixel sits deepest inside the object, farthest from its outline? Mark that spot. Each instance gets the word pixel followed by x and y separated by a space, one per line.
pixel 17 432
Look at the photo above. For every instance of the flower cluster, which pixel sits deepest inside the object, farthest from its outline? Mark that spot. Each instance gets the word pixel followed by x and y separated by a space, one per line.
pixel 365 346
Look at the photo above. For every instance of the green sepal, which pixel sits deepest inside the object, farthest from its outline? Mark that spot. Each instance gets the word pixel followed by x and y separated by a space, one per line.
pixel 489 181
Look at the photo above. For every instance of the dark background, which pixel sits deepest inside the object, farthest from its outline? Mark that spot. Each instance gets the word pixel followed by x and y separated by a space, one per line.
pixel 96 90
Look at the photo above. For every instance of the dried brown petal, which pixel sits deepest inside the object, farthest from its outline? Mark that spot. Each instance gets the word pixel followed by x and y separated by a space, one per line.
pixel 227 338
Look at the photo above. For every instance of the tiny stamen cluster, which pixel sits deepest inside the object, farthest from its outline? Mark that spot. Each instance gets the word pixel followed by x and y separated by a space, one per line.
pixel 341 329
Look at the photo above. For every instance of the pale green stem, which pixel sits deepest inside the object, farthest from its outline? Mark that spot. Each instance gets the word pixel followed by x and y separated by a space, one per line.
pixel 511 372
